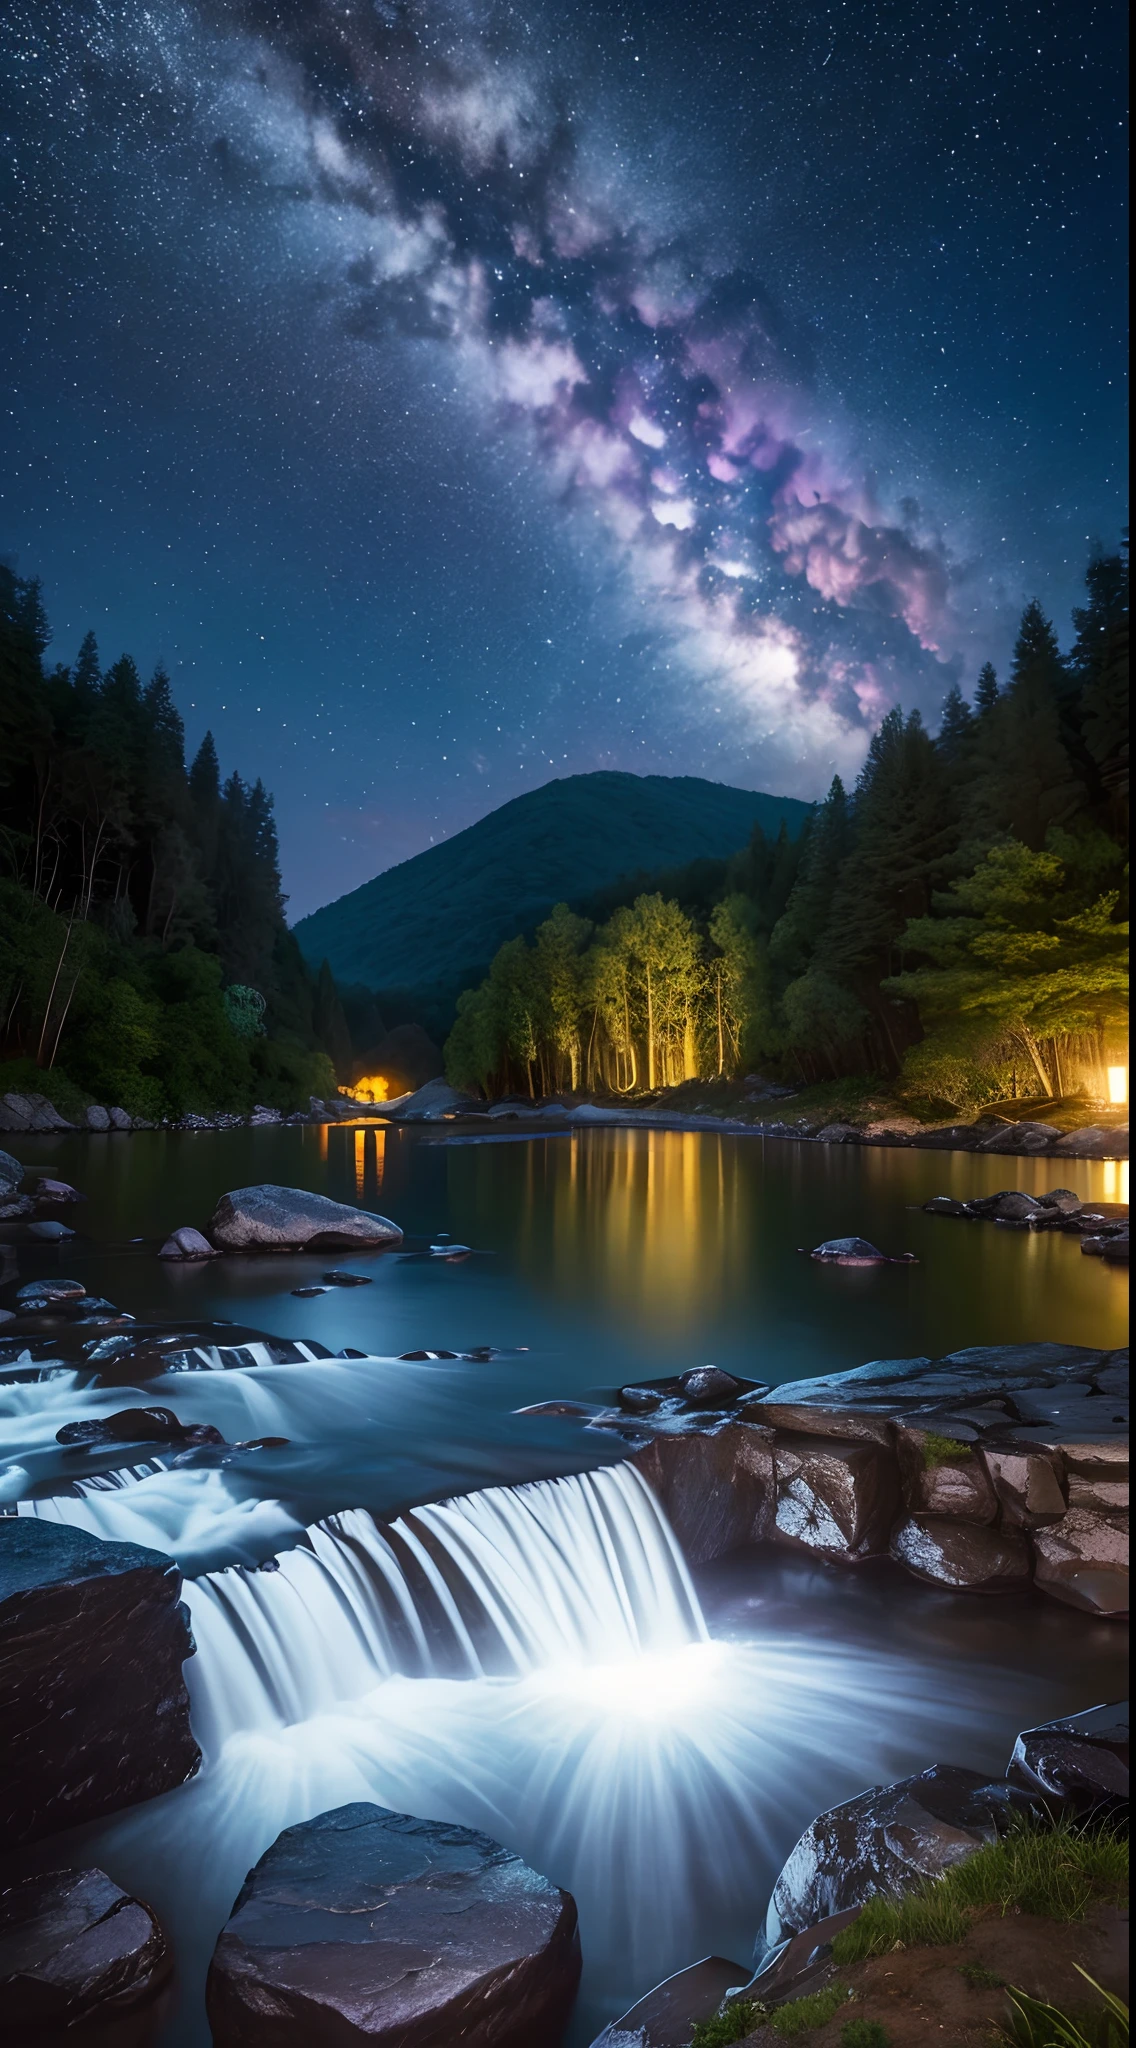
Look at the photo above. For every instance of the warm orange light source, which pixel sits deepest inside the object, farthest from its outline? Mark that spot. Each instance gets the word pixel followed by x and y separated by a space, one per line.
pixel 1118 1085
pixel 372 1088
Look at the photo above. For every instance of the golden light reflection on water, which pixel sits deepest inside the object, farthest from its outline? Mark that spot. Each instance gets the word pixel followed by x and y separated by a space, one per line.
pixel 687 1237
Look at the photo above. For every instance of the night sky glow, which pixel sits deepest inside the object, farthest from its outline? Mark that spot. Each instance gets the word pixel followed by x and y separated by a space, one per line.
pixel 459 395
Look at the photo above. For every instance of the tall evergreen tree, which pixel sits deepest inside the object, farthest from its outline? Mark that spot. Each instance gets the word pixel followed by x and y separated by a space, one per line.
pixel 827 841
pixel 986 690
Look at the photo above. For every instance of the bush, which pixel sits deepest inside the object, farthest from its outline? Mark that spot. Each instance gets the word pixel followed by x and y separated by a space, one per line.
pixel 864 2034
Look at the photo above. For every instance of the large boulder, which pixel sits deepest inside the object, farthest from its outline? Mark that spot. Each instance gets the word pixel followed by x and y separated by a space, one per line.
pixel 837 1499
pixel 886 1840
pixel 431 1104
pixel 30 1113
pixel 962 1554
pixel 366 1926
pixel 715 1483
pixel 250 1219
pixel 1082 1761
pixel 78 1953
pixel 94 1713
pixel 11 1174
pixel 1083 1560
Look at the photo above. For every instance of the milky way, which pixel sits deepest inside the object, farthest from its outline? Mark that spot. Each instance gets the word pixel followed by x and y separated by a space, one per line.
pixel 454 258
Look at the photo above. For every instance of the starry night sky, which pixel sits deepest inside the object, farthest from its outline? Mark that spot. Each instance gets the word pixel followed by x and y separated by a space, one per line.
pixel 455 396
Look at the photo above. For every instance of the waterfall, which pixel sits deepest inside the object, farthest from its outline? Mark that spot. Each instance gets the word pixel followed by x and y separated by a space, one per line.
pixel 581 1570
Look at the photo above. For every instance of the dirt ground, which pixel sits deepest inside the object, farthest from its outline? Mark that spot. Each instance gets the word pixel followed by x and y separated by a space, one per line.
pixel 920 1995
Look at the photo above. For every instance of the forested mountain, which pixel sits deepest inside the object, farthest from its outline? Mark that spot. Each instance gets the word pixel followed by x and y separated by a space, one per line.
pixel 144 957
pixel 432 924
pixel 956 920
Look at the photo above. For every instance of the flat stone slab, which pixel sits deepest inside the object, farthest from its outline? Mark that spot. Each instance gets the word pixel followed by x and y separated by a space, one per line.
pixel 366 1926
pixel 94 1712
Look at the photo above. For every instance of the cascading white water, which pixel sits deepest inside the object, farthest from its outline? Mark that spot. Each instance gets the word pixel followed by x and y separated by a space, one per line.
pixel 578 1570
pixel 582 1570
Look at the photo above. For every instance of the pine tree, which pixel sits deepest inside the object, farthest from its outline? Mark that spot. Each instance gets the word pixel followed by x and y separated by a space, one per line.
pixel 205 804
pixel 904 839
pixel 825 848
pixel 956 729
pixel 986 689
pixel 1024 777
pixel 329 1022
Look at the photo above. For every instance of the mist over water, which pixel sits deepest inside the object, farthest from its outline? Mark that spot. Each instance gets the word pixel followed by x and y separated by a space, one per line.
pixel 534 1660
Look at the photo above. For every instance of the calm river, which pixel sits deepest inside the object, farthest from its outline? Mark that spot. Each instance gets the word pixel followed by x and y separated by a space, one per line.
pixel 656 1757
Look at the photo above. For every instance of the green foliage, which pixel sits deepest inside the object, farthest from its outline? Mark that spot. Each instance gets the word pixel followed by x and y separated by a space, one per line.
pixel 732 2023
pixel 942 1450
pixel 1056 1871
pixel 864 2034
pixel 131 891
pixel 815 2009
pixel 244 1008
pixel 1033 2023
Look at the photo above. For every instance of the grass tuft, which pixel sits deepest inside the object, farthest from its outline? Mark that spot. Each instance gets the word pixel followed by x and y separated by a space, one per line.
pixel 732 2023
pixel 1054 1870
pixel 814 2010
pixel 1033 2023
pixel 864 2034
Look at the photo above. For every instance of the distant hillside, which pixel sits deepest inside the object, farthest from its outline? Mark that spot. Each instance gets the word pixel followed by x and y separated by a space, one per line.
pixel 432 924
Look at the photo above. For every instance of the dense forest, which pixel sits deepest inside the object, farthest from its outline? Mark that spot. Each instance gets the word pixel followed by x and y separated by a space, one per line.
pixel 144 957
pixel 954 924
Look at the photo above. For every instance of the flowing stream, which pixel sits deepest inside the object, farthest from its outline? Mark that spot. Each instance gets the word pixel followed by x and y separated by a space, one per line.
pixel 428 1600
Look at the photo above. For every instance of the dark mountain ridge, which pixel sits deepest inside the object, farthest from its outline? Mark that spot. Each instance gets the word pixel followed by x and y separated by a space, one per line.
pixel 431 925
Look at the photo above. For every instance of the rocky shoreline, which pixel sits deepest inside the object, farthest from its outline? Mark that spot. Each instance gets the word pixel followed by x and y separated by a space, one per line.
pixel 987 1470
pixel 438 1103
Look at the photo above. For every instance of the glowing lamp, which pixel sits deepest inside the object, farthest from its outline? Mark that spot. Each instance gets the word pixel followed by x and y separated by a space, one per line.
pixel 372 1088
pixel 1118 1085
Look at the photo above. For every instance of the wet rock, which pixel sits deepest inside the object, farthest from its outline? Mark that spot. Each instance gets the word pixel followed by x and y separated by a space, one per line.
pixel 885 1841
pixel 263 1115
pixel 419 1357
pixel 1014 1207
pixel 138 1426
pixel 958 1486
pixel 792 1969
pixel 1114 1250
pixel 716 1486
pixel 94 1713
pixel 667 2016
pixel 641 1400
pixel 1094 1143
pixel 56 1194
pixel 77 1952
pixel 14 1208
pixel 52 1290
pixel 336 1278
pixel 1098 1496
pixel 11 1173
pixel 838 1134
pixel 962 1554
pixel 1028 1486
pixel 49 1233
pixel 120 1119
pixel 946 1205
pixel 1022 1137
pixel 187 1243
pixel 1064 1200
pixel 707 1386
pixel 838 1500
pixel 850 1251
pixel 306 1293
pixel 1083 1560
pixel 366 1926
pixel 248 1219
pixel 430 1104
pixel 30 1113
pixel 1082 1760
pixel 96 1117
